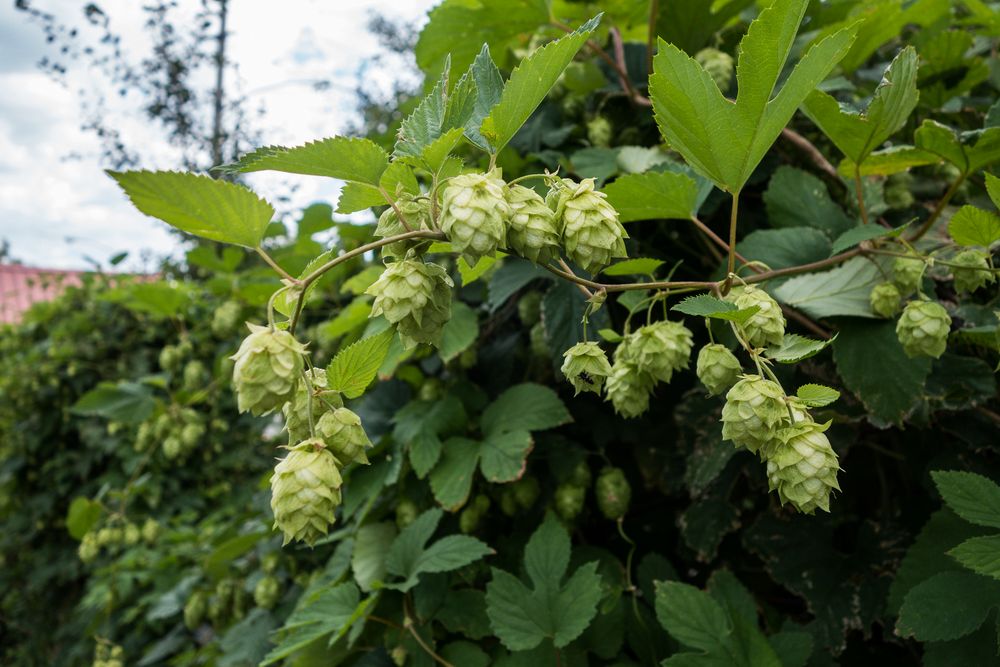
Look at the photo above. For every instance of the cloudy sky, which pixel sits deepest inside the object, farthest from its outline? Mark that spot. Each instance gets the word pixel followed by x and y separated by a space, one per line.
pixel 57 208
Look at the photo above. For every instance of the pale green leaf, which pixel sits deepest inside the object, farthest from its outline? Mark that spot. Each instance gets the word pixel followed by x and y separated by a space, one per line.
pixel 128 402
pixel 524 407
pixel 319 614
pixel 993 189
pixel 980 554
pixel 450 553
pixel 212 209
pixel 470 274
pixel 705 305
pixel 355 366
pixel 817 395
pixel 459 332
pixel 358 197
pixel 972 226
pixel 653 195
pixel 83 514
pixel 691 616
pixel 346 158
pixel 856 235
pixel 451 478
pixel 489 87
pixel 795 348
pixel 840 291
pixel 639 266
pixel 972 497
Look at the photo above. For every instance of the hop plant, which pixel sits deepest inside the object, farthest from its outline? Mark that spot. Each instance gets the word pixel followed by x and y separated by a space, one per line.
pixel 473 211
pixel 766 326
pixel 266 592
pixel 417 214
pixel 717 368
pixel 150 530
pixel 628 389
pixel 344 436
pixel 526 491
pixel 923 329
pixel 613 493
pixel 586 367
pixel 908 273
pixel 268 369
pixel 538 342
pixel 974 272
pixel 719 66
pixel 802 467
pixel 296 411
pixel 657 350
pixel 305 492
pixel 532 231
pixel 416 297
pixel 754 412
pixel 885 300
pixel 592 234
pixel 569 499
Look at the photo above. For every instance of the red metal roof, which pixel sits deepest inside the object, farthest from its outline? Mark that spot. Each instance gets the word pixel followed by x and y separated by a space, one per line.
pixel 21 286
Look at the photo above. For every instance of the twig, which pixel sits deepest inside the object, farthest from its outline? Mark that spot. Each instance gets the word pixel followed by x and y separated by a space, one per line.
pixel 809 149
pixel 939 209
pixel 408 623
pixel 859 190
pixel 273 264
pixel 395 207
pixel 722 244
pixel 806 322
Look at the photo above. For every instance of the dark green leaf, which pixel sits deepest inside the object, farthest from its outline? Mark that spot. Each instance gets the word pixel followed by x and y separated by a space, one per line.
pixel 973 497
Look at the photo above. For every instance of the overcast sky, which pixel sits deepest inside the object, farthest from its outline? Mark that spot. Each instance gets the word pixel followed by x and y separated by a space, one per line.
pixel 57 211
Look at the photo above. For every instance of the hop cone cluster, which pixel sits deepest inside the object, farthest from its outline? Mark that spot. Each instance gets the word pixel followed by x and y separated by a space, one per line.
pixel 344 436
pixel 754 412
pixel 305 492
pixel 717 368
pixel 586 367
pixel 416 297
pixel 908 273
pixel 532 232
pixel 613 493
pixel 417 214
pixel 473 214
pixel 885 300
pixel 592 234
pixel 974 272
pixel 296 411
pixel 802 467
pixel 766 326
pixel 923 329
pixel 267 370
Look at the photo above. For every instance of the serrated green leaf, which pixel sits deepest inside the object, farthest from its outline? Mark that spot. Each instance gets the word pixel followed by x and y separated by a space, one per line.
pixel 889 161
pixel 529 83
pixel 434 128
pixel 970 151
pixel 794 348
pixel 524 407
pixel 653 195
pixel 371 543
pixel 409 557
pixel 503 456
pixel 83 514
pixel 947 606
pixel 489 88
pixel 972 226
pixel 972 497
pixel 993 189
pixel 451 478
pixel 212 209
pixel 128 402
pixel 459 332
pixel 471 274
pixel 639 266
pixel 980 554
pixel 346 158
pixel 358 197
pixel 840 291
pixel 421 424
pixel 705 305
pixel 858 134
pixel 724 141
pixel 796 199
pixel 324 612
pixel 355 366
pixel 817 395
pixel 692 617
pixel 856 235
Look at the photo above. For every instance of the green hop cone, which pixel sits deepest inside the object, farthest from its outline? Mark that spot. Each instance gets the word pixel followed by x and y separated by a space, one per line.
pixel 296 411
pixel 885 300
pixel 613 493
pixel 406 513
pixel 569 500
pixel 266 592
pixel 580 475
pixel 344 436
pixel 529 308
pixel 305 492
pixel 657 349
pixel 268 369
pixel 150 530
pixel 923 329
pixel 586 367
pixel 473 214
pixel 416 297
pixel 591 232
pixel 802 467
pixel 226 319
pixel 417 214
pixel 526 491
pixel 539 345
pixel 717 368
pixel 470 518
pixel 89 548
pixel 974 272
pixel 719 66
pixel 628 389
pixel 766 326
pixel 599 132
pixel 194 610
pixel 532 231
pixel 754 411
pixel 908 273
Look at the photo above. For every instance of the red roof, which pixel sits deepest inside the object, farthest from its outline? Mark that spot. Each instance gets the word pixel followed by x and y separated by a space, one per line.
pixel 21 286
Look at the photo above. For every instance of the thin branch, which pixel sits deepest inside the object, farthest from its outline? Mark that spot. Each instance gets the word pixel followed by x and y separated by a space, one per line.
pixel 273 264
pixel 586 292
pixel 409 624
pixel 805 321
pixel 860 192
pixel 395 207
pixel 718 241
pixel 374 245
pixel 809 149
pixel 654 10
pixel 939 209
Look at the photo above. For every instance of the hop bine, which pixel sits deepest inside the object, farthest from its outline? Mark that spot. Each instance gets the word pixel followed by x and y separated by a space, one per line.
pixel 717 368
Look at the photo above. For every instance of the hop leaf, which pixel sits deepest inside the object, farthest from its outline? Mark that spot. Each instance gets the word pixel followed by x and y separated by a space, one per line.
pixel 416 297
pixel 267 370
pixel 885 300
pixel 754 411
pixel 586 367
pixel 473 211
pixel 717 368
pixel 974 272
pixel 344 436
pixel 802 467
pixel 766 326
pixel 532 232
pixel 923 329
pixel 305 492
pixel 591 231
pixel 908 272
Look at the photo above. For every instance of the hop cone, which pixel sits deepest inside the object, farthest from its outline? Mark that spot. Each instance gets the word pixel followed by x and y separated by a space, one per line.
pixel 532 232
pixel 267 370
pixel 719 66
pixel 802 467
pixel 766 326
pixel 226 318
pixel 344 436
pixel 592 234
pixel 907 273
pixel 717 368
pixel 194 610
pixel 885 300
pixel 613 493
pixel 473 211
pixel 754 411
pixel 975 271
pixel 266 592
pixel 296 411
pixel 599 131
pixel 923 329
pixel 586 367
pixel 305 492
pixel 569 500
pixel 628 389
pixel 416 297
pixel 417 214
pixel 657 349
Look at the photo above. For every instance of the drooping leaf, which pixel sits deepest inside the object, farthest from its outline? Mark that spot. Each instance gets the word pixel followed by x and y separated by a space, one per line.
pixel 355 366
pixel 212 209
pixel 889 161
pixel 346 158
pixel 371 543
pixel 128 402
pixel 503 456
pixel 409 556
pixel 843 290
pixel 856 235
pixel 459 332
pixel 980 554
pixel 327 611
pixel 653 195
pixel 451 478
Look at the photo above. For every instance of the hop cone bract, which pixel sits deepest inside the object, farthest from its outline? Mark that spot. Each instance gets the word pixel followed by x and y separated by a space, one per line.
pixel 766 326
pixel 267 370
pixel 344 436
pixel 305 492
pixel 908 273
pixel 296 411
pixel 586 367
pixel 802 467
pixel 532 232
pixel 416 297
pixel 717 368
pixel 974 272
pixel 923 329
pixel 885 299
pixel 473 215
pixel 754 411
pixel 591 232
pixel 417 214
